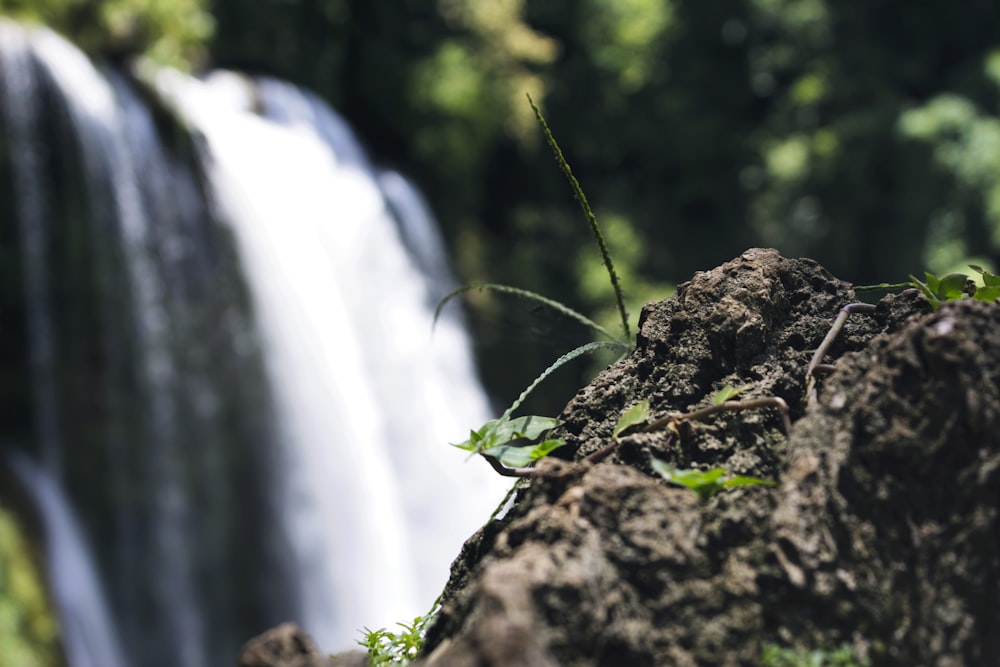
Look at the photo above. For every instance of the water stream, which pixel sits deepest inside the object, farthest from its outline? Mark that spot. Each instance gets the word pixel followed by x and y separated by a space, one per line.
pixel 227 327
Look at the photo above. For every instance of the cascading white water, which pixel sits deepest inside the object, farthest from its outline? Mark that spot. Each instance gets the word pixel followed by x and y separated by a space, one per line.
pixel 88 634
pixel 342 511
pixel 369 396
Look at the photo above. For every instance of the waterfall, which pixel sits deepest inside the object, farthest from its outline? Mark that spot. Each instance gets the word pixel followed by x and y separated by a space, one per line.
pixel 227 335
pixel 87 633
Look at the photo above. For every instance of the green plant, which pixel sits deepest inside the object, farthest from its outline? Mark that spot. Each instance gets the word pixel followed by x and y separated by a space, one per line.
pixel 950 287
pixel 706 483
pixel 396 648
pixel 956 286
pixel 778 656
pixel 506 443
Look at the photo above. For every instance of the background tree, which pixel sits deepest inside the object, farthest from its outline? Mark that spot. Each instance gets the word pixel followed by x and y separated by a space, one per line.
pixel 862 134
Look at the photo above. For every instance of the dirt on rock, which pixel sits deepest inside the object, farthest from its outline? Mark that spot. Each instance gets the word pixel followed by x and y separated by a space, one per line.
pixel 881 536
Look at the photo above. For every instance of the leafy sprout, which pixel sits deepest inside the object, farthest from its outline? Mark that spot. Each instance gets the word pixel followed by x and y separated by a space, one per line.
pixel 706 483
pixel 634 416
pixel 396 648
pixel 950 287
pixel 507 443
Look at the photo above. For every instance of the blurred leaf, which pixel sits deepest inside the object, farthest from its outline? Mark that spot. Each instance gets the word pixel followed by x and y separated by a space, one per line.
pixel 635 415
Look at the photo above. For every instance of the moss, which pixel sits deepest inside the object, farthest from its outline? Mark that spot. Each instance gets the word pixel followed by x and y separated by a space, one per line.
pixel 28 631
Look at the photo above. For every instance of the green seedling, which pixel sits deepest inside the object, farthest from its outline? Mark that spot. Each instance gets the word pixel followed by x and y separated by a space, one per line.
pixel 502 440
pixel 706 483
pixel 506 443
pixel 950 287
pixel 728 393
pixel 396 648
pixel 634 416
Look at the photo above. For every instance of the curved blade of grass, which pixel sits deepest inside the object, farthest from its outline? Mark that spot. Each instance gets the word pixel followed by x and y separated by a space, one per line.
pixel 882 286
pixel 591 218
pixel 558 363
pixel 526 294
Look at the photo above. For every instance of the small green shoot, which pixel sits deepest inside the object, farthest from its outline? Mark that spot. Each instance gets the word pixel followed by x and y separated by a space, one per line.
pixel 950 287
pixel 506 440
pixel 778 656
pixel 632 417
pixel 706 483
pixel 392 648
pixel 938 290
pixel 990 290
pixel 728 393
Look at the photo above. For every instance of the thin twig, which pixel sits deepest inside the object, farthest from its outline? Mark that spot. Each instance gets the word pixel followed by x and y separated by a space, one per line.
pixel 824 346
pixel 767 402
pixel 506 471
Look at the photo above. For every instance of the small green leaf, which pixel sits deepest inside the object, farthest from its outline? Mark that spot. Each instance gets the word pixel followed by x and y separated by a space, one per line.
pixel 526 428
pixel 706 483
pixel 743 480
pixel 728 393
pixel 991 293
pixel 933 282
pixel 546 447
pixel 951 287
pixel 633 416
pixel 926 290
pixel 989 279
pixel 514 456
pixel 476 438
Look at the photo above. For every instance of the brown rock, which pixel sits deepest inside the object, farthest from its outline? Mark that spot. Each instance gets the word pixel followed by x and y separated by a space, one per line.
pixel 883 533
pixel 288 646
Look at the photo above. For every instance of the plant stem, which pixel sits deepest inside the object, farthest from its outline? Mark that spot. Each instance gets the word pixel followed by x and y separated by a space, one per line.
pixel 767 402
pixel 591 218
pixel 824 346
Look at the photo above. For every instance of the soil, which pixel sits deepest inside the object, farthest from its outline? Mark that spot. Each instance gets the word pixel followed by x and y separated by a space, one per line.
pixel 881 536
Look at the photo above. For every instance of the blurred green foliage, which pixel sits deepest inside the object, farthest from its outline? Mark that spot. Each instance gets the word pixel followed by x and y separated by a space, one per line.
pixel 28 635
pixel 863 134
pixel 170 32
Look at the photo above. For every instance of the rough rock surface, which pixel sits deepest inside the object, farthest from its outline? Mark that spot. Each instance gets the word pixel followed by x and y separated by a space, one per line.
pixel 882 533
pixel 288 646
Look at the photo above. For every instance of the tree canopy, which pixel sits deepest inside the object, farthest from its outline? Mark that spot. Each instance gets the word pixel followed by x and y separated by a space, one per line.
pixel 863 134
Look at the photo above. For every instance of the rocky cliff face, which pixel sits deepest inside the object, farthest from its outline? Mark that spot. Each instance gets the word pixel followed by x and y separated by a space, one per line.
pixel 882 533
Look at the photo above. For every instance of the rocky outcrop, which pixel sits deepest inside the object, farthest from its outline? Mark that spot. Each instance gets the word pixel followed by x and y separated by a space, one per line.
pixel 288 646
pixel 882 533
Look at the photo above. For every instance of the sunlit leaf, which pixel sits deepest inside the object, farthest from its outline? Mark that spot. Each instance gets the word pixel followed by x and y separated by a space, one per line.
pixel 951 287
pixel 926 290
pixel 989 279
pixel 705 483
pixel 546 447
pixel 529 427
pixel 728 393
pixel 743 480
pixel 635 415
pixel 514 456
pixel 988 293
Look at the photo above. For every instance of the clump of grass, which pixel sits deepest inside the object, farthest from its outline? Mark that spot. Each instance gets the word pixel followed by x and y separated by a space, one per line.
pixel 396 648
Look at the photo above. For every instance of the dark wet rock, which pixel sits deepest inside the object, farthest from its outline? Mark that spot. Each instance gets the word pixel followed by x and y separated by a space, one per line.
pixel 882 533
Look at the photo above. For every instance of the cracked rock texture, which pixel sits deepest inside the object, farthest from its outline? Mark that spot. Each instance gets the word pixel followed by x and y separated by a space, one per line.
pixel 882 532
